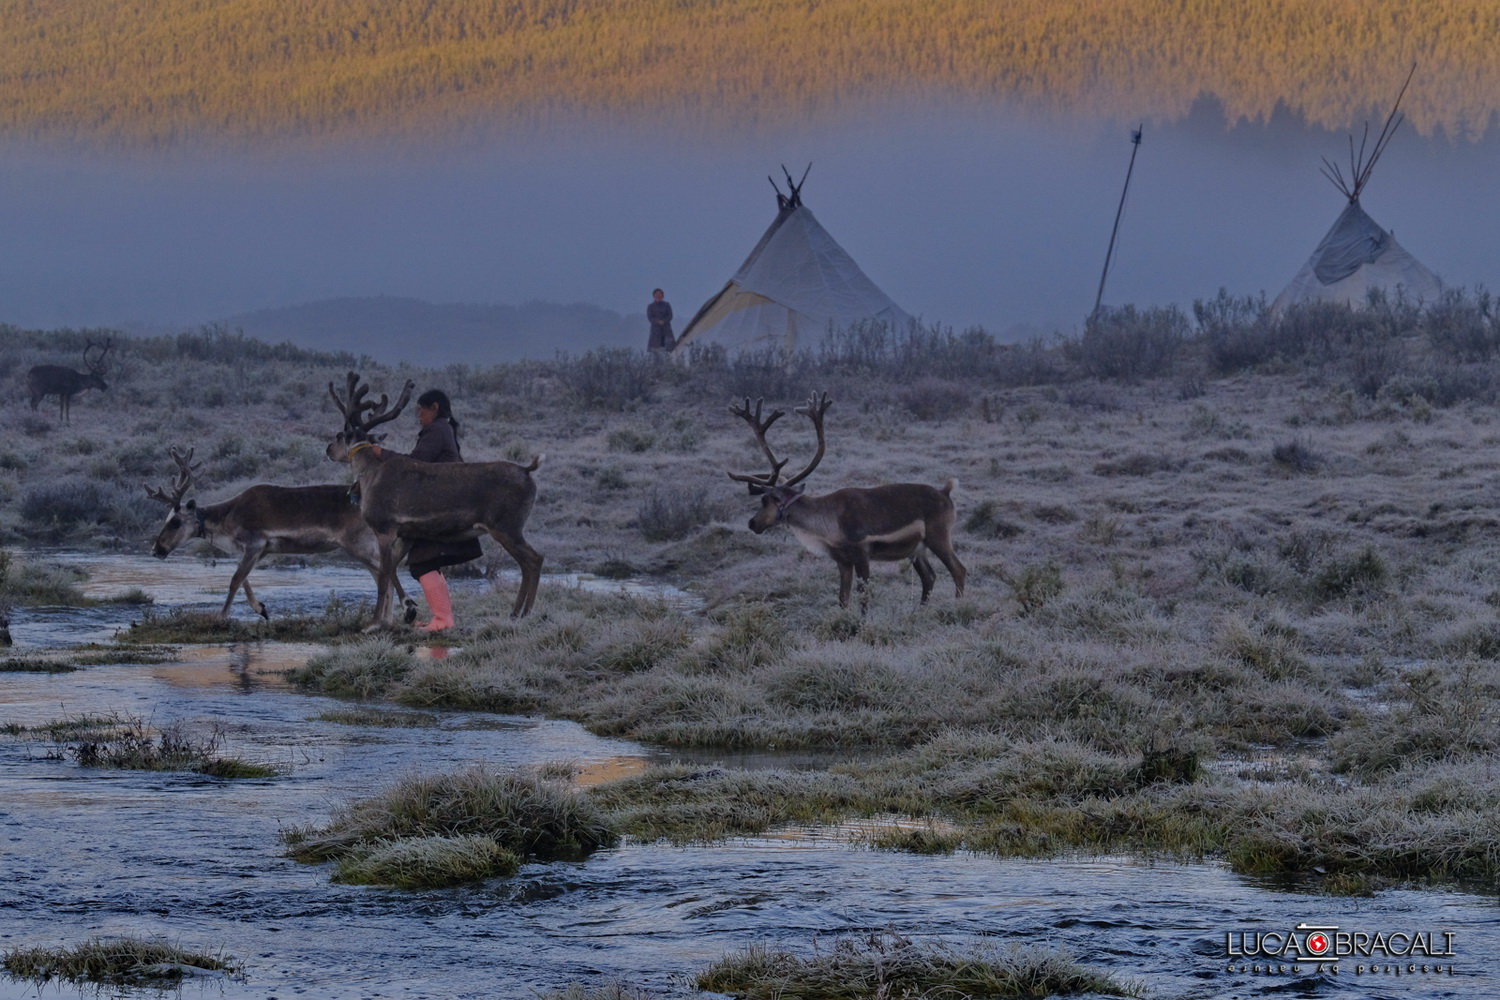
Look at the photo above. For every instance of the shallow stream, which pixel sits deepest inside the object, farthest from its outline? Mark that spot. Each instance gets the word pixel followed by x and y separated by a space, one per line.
pixel 87 852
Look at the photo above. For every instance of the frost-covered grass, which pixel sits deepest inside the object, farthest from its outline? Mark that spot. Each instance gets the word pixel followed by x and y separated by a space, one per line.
pixel 1240 601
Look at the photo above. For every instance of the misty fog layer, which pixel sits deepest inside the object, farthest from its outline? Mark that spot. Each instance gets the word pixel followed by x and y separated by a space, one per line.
pixel 964 218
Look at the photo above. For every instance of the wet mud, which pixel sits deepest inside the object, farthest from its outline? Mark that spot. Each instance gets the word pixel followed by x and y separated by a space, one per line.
pixel 87 852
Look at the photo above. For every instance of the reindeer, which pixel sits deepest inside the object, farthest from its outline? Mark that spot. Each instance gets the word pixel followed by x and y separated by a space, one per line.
pixel 65 383
pixel 853 526
pixel 267 520
pixel 403 499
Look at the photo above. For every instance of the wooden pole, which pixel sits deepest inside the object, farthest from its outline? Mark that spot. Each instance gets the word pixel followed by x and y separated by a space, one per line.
pixel 1135 142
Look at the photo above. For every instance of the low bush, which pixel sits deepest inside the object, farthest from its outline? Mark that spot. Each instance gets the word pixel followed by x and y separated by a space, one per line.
pixel 667 514
pixel 1127 343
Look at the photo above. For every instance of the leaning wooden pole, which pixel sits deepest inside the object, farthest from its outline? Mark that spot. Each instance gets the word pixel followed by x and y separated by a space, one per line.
pixel 1135 142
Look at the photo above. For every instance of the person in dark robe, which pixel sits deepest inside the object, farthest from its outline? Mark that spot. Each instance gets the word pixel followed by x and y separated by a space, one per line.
pixel 437 441
pixel 659 312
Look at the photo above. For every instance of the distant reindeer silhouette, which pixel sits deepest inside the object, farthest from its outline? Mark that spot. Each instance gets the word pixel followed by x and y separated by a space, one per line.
pixel 64 382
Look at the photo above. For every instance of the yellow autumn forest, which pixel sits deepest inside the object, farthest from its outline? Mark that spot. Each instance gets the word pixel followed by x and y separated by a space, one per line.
pixel 158 72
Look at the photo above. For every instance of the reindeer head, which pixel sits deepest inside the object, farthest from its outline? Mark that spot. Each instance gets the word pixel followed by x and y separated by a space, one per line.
pixel 94 377
pixel 182 522
pixel 776 497
pixel 357 422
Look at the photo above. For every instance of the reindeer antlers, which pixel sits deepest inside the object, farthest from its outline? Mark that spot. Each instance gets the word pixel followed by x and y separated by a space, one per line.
pixel 97 365
pixel 353 411
pixel 817 406
pixel 185 470
pixel 759 427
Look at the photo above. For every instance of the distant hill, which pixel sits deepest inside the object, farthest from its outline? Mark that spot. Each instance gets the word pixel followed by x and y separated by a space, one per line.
pixel 392 329
pixel 168 71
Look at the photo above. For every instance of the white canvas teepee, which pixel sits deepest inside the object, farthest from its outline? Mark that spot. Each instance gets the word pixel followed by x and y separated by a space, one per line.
pixel 795 283
pixel 1358 256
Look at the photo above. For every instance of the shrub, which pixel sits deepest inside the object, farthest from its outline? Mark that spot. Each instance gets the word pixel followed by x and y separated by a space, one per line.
pixel 1463 328
pixel 670 513
pixel 610 378
pixel 1237 332
pixel 1127 343
pixel 630 441
pixel 1361 574
pixel 934 399
pixel 1297 455
pixel 1036 585
pixel 985 520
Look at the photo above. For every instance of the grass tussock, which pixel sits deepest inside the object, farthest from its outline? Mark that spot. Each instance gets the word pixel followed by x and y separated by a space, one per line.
pixel 611 990
pixel 35 665
pixel 126 962
pixel 891 965
pixel 426 862
pixel 431 825
pixel 364 669
pixel 380 718
pixel 28 583
pixel 130 743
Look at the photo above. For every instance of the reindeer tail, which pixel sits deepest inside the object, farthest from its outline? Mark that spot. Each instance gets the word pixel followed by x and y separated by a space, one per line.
pixel 950 485
pixel 536 463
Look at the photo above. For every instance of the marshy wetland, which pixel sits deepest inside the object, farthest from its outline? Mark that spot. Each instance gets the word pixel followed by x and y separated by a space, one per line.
pixel 1227 661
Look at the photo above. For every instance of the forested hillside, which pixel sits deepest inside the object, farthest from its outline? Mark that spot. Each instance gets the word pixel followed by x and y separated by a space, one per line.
pixel 247 69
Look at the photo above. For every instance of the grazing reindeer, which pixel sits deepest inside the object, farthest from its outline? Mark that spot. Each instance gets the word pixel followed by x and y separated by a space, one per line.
pixel 402 498
pixel 64 382
pixel 853 526
pixel 267 520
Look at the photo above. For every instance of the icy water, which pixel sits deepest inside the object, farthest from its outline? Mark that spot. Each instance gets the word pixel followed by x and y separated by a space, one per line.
pixel 85 853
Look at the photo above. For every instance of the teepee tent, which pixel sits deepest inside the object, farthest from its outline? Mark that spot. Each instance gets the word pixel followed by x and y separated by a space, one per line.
pixel 793 286
pixel 1358 256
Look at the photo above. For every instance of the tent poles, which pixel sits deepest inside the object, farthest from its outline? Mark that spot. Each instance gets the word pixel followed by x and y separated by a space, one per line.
pixel 1135 142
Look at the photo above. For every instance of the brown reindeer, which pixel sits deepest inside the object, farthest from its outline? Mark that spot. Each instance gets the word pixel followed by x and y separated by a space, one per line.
pixel 267 520
pixel 853 526
pixel 403 499
pixel 65 383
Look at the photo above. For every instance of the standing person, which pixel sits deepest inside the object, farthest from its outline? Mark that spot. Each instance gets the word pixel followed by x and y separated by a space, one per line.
pixel 659 312
pixel 437 441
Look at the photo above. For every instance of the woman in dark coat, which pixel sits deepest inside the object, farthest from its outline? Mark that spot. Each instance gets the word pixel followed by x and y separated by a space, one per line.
pixel 437 441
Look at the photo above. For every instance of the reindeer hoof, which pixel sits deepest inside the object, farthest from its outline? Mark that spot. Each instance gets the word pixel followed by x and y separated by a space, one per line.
pixel 411 611
pixel 265 612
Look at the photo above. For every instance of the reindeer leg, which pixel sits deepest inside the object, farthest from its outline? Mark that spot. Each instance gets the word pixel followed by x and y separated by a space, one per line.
pixel 846 578
pixel 258 606
pixel 941 544
pixel 409 614
pixel 399 548
pixel 862 570
pixel 247 563
pixel 368 555
pixel 530 561
pixel 383 581
pixel 925 572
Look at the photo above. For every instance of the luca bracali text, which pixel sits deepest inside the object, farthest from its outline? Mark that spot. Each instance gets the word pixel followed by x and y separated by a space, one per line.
pixel 1331 949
